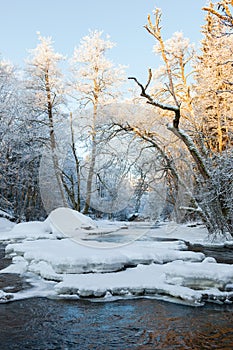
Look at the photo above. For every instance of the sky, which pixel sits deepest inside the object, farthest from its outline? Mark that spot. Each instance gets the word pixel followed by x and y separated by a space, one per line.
pixel 67 21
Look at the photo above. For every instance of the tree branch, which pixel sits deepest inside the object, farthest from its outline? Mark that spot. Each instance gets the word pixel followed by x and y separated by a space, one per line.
pixel 150 100
pixel 227 18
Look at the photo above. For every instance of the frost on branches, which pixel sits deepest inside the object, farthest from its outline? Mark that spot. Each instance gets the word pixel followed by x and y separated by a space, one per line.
pixel 45 89
pixel 95 82
pixel 19 154
pixel 210 153
pixel 214 69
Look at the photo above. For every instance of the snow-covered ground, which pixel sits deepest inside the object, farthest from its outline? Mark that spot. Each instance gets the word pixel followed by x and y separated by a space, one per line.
pixel 71 256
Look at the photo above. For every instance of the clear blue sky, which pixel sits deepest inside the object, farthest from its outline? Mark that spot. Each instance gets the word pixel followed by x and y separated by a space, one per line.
pixel 67 21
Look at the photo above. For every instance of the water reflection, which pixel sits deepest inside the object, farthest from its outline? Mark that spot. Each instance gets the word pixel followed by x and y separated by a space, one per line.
pixel 138 324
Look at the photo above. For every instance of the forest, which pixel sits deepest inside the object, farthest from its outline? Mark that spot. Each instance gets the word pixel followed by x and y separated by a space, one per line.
pixel 77 132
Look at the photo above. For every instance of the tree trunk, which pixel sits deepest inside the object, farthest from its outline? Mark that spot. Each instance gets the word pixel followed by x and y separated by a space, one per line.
pixel 53 140
pixel 92 162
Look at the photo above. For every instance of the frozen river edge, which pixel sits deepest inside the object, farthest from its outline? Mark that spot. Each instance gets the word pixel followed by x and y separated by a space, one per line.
pixel 154 263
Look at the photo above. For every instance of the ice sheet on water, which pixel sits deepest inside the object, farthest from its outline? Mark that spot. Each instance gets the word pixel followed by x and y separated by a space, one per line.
pixel 161 268
pixel 66 256
pixel 150 280
pixel 199 275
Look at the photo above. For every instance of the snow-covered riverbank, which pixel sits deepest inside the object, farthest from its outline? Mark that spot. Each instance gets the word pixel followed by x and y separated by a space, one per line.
pixel 147 261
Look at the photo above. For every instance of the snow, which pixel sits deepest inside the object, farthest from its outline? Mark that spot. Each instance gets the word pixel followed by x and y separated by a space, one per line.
pixel 153 265
pixel 66 257
pixel 75 225
pixel 5 224
pixel 193 234
pixel 26 230
pixel 201 275
pixel 151 279
pixel 65 218
pixel 4 297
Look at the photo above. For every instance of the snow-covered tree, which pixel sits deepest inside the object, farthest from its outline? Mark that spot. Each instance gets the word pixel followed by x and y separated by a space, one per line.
pixel 208 198
pixel 8 93
pixel 19 193
pixel 172 80
pixel 45 97
pixel 95 82
pixel 214 72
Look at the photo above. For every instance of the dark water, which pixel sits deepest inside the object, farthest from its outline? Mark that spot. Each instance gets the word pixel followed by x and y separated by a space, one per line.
pixel 10 283
pixel 136 324
pixel 4 262
pixel 221 254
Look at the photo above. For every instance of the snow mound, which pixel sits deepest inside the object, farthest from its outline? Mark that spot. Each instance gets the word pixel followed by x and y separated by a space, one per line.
pixel 27 231
pixel 33 227
pixel 67 220
pixel 5 225
pixel 75 225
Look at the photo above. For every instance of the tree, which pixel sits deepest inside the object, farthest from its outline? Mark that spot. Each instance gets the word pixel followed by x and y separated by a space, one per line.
pixel 8 98
pixel 45 100
pixel 19 192
pixel 214 211
pixel 213 82
pixel 95 82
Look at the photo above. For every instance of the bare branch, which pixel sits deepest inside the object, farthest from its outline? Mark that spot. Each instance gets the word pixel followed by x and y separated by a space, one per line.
pixel 149 78
pixel 150 100
pixel 197 210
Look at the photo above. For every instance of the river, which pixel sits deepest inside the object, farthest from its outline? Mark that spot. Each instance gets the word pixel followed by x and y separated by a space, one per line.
pixel 46 324
pixel 39 323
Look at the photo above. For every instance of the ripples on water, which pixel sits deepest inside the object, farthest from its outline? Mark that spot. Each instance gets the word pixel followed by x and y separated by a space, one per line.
pixel 133 324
